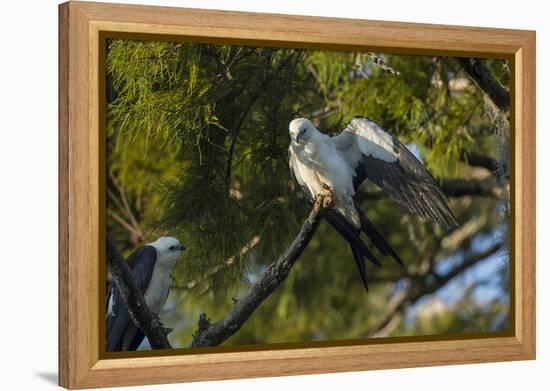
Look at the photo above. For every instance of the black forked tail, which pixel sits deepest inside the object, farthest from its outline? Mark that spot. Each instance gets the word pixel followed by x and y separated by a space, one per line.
pixel 360 251
pixel 375 237
pixel 360 266
pixel 358 248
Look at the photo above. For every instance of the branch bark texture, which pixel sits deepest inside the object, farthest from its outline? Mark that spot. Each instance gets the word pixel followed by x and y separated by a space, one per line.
pixel 214 334
pixel 479 73
pixel 456 187
pixel 478 160
pixel 132 296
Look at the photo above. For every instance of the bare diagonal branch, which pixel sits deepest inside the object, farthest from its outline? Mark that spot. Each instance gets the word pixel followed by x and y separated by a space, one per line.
pixel 214 334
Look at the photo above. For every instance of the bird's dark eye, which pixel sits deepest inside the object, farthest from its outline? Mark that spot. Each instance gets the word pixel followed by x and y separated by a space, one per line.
pixel 172 247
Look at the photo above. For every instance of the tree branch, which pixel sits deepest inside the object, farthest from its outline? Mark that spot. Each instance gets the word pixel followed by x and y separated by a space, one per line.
pixel 480 75
pixel 458 187
pixel 469 261
pixel 131 224
pixel 124 224
pixel 214 334
pixel 131 294
pixel 478 160
pixel 421 285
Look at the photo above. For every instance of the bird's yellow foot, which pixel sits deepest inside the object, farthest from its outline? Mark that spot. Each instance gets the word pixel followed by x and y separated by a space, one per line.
pixel 328 201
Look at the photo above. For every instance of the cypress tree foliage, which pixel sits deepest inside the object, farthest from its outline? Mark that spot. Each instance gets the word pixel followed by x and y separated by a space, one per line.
pixel 197 148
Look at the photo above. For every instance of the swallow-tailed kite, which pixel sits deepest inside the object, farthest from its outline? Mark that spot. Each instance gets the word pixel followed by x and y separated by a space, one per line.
pixel 338 165
pixel 152 267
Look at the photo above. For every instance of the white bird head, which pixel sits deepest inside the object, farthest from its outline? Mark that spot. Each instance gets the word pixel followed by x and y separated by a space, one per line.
pixel 168 250
pixel 301 129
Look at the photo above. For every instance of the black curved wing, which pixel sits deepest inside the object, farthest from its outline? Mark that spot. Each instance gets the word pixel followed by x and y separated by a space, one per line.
pixel 409 183
pixel 399 173
pixel 118 323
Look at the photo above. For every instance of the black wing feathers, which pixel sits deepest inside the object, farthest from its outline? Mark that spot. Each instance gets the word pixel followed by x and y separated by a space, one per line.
pixel 117 322
pixel 142 262
pixel 136 341
pixel 408 182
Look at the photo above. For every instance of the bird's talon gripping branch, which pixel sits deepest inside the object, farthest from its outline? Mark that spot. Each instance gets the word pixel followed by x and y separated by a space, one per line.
pixel 328 201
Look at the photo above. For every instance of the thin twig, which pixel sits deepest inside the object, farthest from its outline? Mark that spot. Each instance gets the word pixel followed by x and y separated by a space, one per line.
pixel 236 128
pixel 222 266
pixel 124 207
pixel 127 208
pixel 124 223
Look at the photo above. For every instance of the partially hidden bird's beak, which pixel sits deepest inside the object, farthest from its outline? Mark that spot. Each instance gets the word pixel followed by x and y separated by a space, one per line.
pixel 182 247
pixel 297 138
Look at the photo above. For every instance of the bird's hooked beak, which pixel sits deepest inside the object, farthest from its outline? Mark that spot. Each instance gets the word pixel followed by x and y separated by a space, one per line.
pixel 297 138
pixel 181 247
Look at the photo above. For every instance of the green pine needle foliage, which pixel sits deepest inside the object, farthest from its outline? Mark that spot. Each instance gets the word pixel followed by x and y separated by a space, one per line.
pixel 197 139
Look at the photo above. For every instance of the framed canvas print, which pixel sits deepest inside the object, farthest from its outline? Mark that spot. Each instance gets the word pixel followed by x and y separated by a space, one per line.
pixel 248 195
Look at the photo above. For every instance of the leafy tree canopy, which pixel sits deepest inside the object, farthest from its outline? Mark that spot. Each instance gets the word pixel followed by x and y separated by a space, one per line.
pixel 197 148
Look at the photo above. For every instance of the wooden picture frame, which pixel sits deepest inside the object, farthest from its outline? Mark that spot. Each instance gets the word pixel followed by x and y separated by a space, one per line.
pixel 81 245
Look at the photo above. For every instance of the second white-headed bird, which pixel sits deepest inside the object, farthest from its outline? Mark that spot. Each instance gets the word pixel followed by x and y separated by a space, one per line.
pixel 152 267
pixel 338 165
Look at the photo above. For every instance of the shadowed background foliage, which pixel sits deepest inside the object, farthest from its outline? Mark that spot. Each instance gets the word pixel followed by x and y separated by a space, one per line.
pixel 197 138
